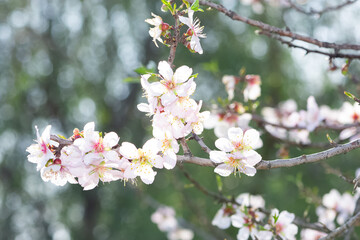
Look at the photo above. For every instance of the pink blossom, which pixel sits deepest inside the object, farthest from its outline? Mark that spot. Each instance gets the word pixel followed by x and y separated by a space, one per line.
pixel 142 160
pixel 195 31
pixel 40 153
pixel 252 90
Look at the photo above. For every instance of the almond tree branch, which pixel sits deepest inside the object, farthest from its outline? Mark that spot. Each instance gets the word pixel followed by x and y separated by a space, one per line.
pixel 290 44
pixel 222 199
pixel 278 31
pixel 320 12
pixel 279 163
pixel 341 230
pixel 174 40
pixel 261 120
pixel 263 164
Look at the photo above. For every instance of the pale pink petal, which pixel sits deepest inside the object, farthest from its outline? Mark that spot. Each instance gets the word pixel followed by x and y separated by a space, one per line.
pixel 251 137
pixel 168 98
pixel 224 145
pixel 129 151
pixel 111 139
pixel 169 159
pixel 218 156
pixel 224 170
pixel 111 155
pixel 235 134
pixel 143 107
pixel 249 170
pixel 165 70
pixel 182 74
pixel 151 147
pixel 157 89
pixel 252 157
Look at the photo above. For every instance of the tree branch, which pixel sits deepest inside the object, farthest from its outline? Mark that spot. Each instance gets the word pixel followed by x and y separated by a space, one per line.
pixel 278 31
pixel 346 226
pixel 290 44
pixel 279 163
pixel 174 40
pixel 320 12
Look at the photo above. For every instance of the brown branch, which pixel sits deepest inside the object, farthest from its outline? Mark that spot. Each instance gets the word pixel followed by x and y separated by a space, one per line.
pixel 278 31
pixel 220 198
pixel 174 40
pixel 346 226
pixel 61 141
pixel 339 127
pixel 320 12
pixel 290 44
pixel 279 163
pixel 203 146
pixel 337 172
pixel 202 189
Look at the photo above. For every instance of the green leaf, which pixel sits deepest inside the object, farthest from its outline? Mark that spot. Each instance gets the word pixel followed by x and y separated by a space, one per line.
pixel 186 3
pixel 167 4
pixel 195 5
pixel 275 217
pixel 219 183
pixel 351 96
pixel 61 136
pixel 194 75
pixel 143 70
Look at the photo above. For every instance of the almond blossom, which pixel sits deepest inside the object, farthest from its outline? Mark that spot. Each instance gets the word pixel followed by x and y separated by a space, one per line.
pixel 284 228
pixel 165 219
pixel 252 90
pixel 230 82
pixel 246 219
pixel 142 160
pixel 236 153
pixel 222 218
pixel 94 147
pixel 40 153
pixel 195 31
pixel 156 31
pixel 310 234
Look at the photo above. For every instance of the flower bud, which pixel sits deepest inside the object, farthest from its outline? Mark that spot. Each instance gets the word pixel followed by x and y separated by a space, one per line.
pixel 165 27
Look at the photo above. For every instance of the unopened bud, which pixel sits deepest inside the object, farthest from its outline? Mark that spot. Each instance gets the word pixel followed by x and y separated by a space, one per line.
pixel 165 27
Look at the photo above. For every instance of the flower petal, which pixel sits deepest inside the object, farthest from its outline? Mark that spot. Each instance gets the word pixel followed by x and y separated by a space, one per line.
pixel 224 170
pixel 224 145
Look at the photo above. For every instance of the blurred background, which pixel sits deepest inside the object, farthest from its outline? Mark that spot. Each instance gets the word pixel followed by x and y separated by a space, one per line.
pixel 64 63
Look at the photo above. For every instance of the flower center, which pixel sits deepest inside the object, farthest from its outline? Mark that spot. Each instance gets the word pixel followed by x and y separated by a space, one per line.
pixel 43 147
pixel 99 146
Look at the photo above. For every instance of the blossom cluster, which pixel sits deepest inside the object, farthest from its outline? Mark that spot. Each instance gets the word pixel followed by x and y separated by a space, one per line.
pixel 166 221
pixel 336 206
pixel 90 158
pixel 247 215
pixel 175 114
pixel 235 114
pixel 191 38
pixel 308 120
pixel 237 154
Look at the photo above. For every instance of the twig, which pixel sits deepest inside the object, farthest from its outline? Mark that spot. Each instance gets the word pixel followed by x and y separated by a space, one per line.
pixel 202 189
pixel 278 163
pixel 320 12
pixel 174 40
pixel 203 146
pixel 329 169
pixel 339 127
pixel 290 44
pixel 278 31
pixel 346 226
pixel 185 147
pixel 220 198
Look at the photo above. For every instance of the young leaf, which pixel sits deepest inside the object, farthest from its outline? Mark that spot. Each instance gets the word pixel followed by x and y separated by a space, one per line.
pixel 166 3
pixel 195 5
